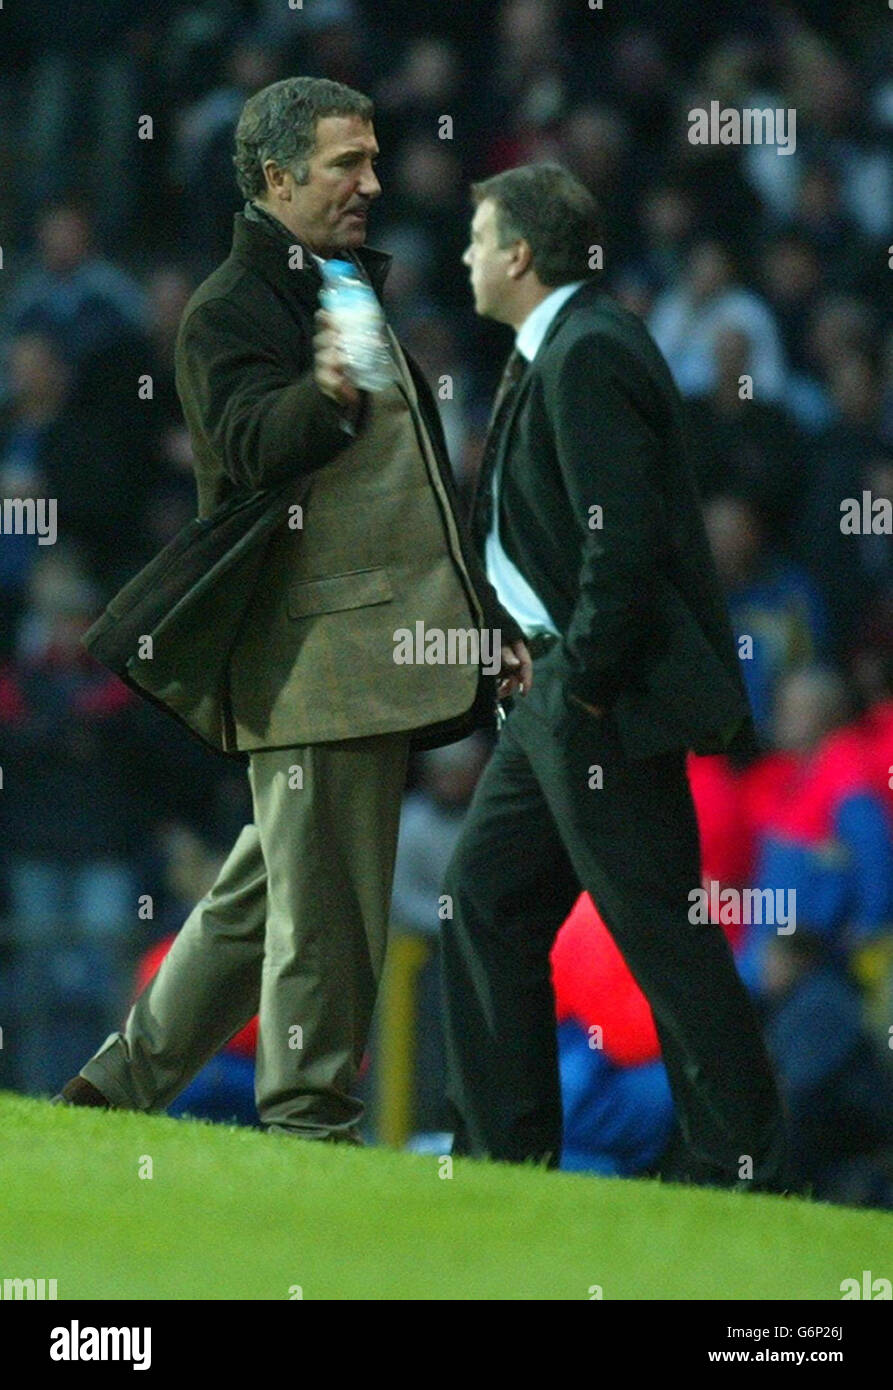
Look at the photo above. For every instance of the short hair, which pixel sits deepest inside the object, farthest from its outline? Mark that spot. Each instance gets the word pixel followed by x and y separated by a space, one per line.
pixel 553 212
pixel 279 122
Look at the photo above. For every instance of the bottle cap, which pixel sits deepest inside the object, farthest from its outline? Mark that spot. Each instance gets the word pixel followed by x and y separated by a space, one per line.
pixel 334 269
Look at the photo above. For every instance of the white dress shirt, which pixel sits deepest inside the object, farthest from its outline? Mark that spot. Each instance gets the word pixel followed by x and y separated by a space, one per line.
pixel 515 594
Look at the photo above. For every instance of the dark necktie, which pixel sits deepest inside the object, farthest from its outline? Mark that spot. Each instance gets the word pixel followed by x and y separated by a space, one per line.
pixel 483 499
pixel 514 369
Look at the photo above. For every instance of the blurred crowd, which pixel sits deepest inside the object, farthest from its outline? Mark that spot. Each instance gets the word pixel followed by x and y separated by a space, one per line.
pixel 764 278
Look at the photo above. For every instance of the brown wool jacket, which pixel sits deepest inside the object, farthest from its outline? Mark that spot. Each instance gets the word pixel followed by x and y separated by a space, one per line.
pixel 255 634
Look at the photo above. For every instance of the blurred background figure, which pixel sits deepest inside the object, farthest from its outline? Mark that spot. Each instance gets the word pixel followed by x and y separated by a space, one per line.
pixel 80 102
pixel 72 292
pixel 69 822
pixel 766 282
pixel 819 827
pixel 834 1077
pixel 408 1073
pixel 686 323
pixel 618 1110
pixel 777 613
pixel 61 713
pixel 201 159
pixel 746 446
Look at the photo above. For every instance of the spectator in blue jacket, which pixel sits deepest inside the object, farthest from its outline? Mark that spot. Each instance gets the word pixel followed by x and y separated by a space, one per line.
pixel 837 1082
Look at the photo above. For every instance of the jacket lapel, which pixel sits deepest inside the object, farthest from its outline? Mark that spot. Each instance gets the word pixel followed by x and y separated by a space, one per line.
pixel 500 433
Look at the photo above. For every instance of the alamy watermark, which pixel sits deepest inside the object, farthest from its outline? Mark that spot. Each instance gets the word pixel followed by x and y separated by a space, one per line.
pixel 728 906
pixel 750 126
pixel 77 1343
pixel 453 646
pixel 31 516
pixel 26 1289
pixel 866 516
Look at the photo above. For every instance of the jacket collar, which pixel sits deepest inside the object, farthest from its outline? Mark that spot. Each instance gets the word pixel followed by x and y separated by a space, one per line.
pixel 262 242
pixel 582 297
pixel 586 295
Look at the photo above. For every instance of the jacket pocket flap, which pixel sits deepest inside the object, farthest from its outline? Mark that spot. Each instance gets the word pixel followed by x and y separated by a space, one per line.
pixel 357 589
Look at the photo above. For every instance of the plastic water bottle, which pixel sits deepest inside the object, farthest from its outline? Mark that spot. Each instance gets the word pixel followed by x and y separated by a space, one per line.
pixel 360 321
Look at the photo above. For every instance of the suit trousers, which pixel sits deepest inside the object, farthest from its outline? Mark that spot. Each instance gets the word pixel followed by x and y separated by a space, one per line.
pixel 561 808
pixel 294 929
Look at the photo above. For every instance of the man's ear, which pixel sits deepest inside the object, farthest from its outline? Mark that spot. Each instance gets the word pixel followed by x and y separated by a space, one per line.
pixel 521 259
pixel 277 181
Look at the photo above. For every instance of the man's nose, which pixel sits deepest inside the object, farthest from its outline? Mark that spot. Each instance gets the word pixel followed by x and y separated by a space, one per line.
pixel 369 186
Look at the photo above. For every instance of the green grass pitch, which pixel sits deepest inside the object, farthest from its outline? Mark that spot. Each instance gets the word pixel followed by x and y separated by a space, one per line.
pixel 236 1214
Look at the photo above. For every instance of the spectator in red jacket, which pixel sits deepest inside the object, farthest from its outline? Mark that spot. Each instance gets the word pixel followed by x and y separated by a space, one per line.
pixel 821 829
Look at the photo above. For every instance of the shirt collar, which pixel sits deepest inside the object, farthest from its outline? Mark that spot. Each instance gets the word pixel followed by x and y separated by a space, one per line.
pixel 534 328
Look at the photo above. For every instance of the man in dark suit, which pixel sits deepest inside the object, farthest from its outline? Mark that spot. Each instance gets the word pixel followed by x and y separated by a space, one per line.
pixel 588 519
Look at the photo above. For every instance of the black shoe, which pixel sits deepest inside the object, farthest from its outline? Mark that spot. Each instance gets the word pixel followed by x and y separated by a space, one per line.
pixel 80 1091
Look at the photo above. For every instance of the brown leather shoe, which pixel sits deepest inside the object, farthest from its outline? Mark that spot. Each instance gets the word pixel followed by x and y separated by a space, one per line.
pixel 334 1136
pixel 80 1091
pixel 346 1136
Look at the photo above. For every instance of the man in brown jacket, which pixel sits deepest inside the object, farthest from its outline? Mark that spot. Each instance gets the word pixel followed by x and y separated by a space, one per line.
pixel 338 515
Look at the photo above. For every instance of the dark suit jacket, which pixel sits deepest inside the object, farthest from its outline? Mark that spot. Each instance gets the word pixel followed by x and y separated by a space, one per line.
pixel 247 335
pixel 596 422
